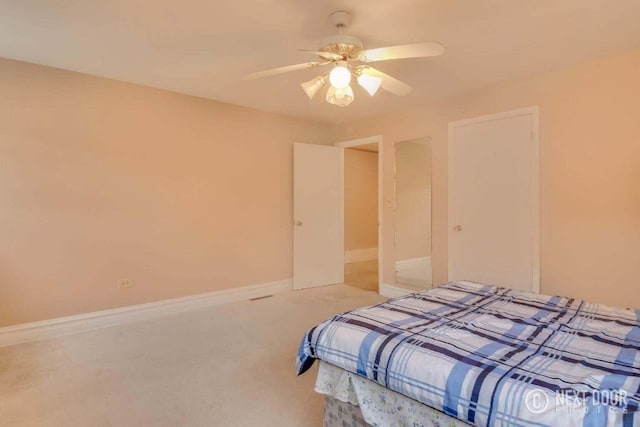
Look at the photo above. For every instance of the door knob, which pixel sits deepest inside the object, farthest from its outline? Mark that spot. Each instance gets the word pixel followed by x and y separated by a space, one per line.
pixel 298 223
pixel 457 228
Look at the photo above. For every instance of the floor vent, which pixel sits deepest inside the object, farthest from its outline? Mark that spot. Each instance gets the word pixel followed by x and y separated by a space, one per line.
pixel 259 298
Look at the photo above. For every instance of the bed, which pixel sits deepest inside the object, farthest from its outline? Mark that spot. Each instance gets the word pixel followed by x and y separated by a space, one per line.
pixel 474 354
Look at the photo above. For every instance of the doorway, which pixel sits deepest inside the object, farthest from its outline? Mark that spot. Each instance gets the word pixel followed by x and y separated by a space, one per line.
pixel 362 179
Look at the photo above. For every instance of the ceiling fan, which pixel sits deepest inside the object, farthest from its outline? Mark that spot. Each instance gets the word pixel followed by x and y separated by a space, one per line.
pixel 349 60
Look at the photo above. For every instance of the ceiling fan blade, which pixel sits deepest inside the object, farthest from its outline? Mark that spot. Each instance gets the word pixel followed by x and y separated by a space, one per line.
pixel 413 50
pixel 390 84
pixel 328 55
pixel 280 70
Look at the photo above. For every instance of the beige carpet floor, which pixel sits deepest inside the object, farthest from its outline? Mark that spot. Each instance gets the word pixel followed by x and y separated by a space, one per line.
pixel 230 365
pixel 363 275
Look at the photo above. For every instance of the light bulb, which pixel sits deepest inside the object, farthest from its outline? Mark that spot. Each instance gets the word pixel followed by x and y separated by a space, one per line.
pixel 340 96
pixel 340 76
pixel 369 83
pixel 313 86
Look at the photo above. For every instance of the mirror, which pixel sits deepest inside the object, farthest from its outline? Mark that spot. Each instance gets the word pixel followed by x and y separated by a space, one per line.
pixel 413 213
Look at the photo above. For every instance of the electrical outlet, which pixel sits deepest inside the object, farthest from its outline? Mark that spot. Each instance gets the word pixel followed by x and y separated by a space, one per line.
pixel 126 284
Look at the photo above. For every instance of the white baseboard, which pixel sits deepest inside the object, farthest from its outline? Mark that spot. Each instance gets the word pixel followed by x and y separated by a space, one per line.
pixel 360 255
pixel 12 335
pixel 393 291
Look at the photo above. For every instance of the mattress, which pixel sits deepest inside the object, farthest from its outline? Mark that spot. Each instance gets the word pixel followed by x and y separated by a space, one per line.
pixel 488 355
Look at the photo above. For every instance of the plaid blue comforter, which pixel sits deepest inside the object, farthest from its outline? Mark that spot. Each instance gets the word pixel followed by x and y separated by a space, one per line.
pixel 493 356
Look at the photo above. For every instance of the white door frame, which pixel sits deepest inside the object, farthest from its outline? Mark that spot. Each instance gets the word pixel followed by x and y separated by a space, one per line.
pixel 534 112
pixel 364 141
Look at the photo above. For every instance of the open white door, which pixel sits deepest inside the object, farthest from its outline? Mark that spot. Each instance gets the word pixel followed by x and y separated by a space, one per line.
pixel 318 216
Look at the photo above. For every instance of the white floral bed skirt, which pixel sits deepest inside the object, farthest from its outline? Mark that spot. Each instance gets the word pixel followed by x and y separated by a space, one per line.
pixel 354 401
pixel 342 414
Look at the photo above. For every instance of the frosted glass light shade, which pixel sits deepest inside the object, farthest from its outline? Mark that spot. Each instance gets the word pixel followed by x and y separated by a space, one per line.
pixel 340 77
pixel 340 96
pixel 369 83
pixel 313 86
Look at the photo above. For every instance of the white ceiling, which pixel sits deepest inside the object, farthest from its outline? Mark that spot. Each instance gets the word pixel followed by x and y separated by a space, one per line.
pixel 202 47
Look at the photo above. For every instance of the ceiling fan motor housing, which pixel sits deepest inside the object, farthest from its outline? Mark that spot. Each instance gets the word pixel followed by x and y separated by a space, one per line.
pixel 347 46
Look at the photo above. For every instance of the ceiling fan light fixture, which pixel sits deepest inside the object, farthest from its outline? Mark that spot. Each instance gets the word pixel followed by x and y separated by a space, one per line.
pixel 369 83
pixel 342 53
pixel 313 86
pixel 339 96
pixel 340 76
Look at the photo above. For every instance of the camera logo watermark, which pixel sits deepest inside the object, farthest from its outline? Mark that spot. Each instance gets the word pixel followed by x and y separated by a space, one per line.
pixel 538 401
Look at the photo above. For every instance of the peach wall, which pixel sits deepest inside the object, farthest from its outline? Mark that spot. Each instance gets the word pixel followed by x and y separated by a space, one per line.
pixel 102 181
pixel 360 199
pixel 590 172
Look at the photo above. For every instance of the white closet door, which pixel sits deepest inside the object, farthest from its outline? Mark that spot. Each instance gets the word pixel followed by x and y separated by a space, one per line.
pixel 318 214
pixel 493 200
